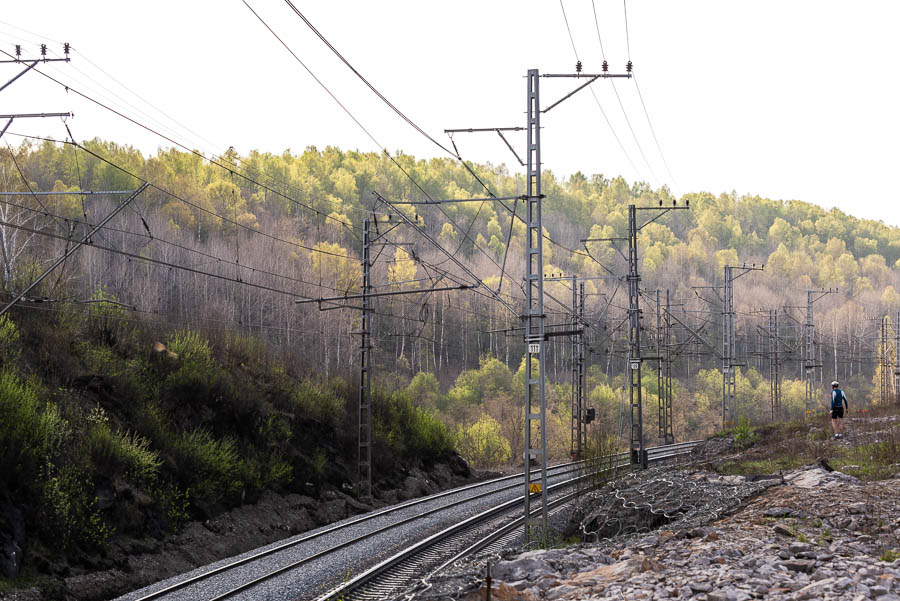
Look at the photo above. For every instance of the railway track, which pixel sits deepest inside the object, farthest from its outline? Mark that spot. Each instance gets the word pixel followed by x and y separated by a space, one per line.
pixel 218 581
pixel 445 524
pixel 494 529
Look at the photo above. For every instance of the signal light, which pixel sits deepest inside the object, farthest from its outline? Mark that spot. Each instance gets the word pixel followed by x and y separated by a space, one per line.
pixel 589 415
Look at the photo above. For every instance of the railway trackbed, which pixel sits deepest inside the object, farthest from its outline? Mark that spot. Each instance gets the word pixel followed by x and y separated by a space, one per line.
pixel 494 529
pixel 334 561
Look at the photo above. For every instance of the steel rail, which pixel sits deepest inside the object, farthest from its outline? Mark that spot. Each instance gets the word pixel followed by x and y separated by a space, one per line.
pixel 337 527
pixel 346 590
pixel 363 537
pixel 353 588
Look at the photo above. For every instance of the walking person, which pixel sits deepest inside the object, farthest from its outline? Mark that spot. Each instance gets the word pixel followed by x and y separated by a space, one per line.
pixel 838 403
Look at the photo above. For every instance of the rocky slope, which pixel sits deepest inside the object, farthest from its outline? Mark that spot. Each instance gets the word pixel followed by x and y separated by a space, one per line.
pixel 811 533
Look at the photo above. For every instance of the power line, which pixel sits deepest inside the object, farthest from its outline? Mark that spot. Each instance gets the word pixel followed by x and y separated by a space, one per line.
pixel 369 134
pixel 569 29
pixel 152 260
pixel 627 40
pixel 183 147
pixel 150 237
pixel 179 198
pixel 597 100
pixel 364 80
pixel 652 131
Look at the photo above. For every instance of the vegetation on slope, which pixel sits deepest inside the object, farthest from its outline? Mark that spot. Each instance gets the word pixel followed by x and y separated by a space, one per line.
pixel 110 426
pixel 292 222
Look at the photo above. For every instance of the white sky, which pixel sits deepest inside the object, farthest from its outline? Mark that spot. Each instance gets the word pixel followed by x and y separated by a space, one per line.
pixel 788 100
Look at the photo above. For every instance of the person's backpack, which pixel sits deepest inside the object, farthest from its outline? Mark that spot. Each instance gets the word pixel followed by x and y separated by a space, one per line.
pixel 837 398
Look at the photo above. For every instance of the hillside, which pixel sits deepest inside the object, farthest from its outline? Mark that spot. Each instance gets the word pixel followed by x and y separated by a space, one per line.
pixel 230 244
pixel 164 372
pixel 115 440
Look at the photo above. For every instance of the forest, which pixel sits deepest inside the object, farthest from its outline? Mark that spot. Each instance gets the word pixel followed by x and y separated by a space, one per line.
pixel 225 247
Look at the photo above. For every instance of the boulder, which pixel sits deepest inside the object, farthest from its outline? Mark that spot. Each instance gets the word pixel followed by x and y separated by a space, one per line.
pixel 522 568
pixel 12 540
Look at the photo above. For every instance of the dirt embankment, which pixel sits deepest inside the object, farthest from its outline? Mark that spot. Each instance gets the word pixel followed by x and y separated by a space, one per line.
pixel 133 563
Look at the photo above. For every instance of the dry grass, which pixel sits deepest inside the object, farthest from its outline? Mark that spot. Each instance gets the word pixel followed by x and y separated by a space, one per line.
pixel 873 452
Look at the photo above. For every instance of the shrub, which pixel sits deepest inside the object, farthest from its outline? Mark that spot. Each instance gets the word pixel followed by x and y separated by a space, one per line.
pixel 192 349
pixel 744 434
pixel 482 443
pixel 31 433
pixel 409 430
pixel 104 317
pixel 126 453
pixel 9 342
pixel 210 467
pixel 318 403
pixel 245 350
pixel 67 513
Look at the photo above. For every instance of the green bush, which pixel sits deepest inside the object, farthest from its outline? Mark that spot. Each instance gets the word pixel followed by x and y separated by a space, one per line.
pixel 482 444
pixel 10 349
pixel 101 359
pixel 744 434
pixel 191 349
pixel 210 467
pixel 104 316
pixel 122 453
pixel 31 432
pixel 408 430
pixel 67 513
pixel 319 403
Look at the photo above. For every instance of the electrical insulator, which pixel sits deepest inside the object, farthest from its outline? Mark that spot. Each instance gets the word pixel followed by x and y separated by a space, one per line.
pixel 66 48
pixel 44 50
pixel 578 67
pixel 605 66
pixel 628 67
pixel 18 51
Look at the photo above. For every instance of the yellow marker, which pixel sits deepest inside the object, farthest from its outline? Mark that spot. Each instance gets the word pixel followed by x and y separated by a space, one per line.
pixel 534 488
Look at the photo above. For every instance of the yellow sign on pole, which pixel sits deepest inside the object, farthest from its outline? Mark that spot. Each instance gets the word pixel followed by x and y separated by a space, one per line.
pixel 534 487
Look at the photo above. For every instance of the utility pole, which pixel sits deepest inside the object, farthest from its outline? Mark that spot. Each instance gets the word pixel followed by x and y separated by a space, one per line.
pixel 535 393
pixel 897 359
pixel 660 378
pixel 364 463
pixel 638 456
pixel 533 317
pixel 668 433
pixel 70 251
pixel 32 62
pixel 580 417
pixel 365 440
pixel 774 365
pixel 729 358
pixel 883 362
pixel 634 359
pixel 578 422
pixel 809 350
